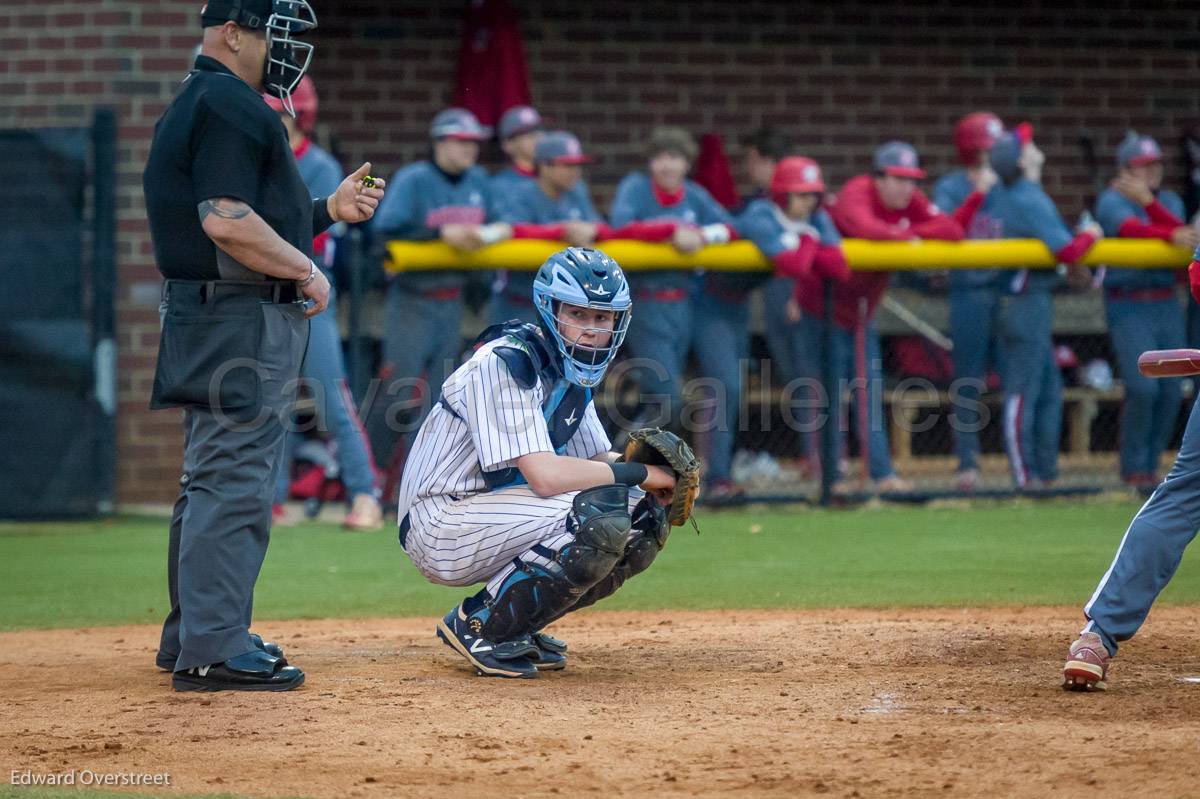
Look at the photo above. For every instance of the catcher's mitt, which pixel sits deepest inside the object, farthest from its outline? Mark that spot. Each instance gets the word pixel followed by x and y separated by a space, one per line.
pixel 657 447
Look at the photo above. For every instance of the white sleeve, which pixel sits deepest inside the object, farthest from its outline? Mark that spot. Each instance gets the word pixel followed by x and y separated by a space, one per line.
pixel 590 439
pixel 505 420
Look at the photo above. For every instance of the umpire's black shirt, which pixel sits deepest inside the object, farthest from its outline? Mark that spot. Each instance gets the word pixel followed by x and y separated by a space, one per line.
pixel 219 139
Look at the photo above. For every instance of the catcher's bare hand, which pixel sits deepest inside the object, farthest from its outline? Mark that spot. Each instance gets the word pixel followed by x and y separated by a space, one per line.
pixel 660 483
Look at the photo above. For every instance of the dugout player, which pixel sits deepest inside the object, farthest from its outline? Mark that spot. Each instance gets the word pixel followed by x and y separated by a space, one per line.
pixel 445 197
pixel 661 204
pixel 974 293
pixel 796 233
pixel 1020 208
pixel 1142 308
pixel 519 130
pixel 511 480
pixel 886 205
pixel 1146 559
pixel 324 369
pixel 555 205
pixel 233 225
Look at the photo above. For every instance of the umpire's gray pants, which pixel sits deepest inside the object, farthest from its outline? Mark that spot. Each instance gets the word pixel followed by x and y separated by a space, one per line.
pixel 222 518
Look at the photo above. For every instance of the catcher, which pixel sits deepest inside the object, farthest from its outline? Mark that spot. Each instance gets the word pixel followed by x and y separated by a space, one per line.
pixel 511 481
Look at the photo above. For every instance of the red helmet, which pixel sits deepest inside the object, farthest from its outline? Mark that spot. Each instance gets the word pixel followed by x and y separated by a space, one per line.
pixel 976 133
pixel 304 100
pixel 797 175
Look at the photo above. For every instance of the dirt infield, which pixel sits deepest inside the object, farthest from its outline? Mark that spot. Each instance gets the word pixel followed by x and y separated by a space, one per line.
pixel 840 703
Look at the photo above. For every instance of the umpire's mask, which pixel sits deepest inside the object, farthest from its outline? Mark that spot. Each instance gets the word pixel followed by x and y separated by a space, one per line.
pixel 281 21
pixel 287 57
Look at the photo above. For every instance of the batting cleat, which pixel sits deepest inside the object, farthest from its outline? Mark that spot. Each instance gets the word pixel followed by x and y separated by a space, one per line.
pixel 507 659
pixel 1087 664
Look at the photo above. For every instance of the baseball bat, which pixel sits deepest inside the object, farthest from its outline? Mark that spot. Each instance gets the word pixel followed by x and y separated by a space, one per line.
pixel 1169 363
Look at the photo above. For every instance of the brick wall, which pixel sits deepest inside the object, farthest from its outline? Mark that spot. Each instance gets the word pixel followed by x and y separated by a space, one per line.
pixel 838 77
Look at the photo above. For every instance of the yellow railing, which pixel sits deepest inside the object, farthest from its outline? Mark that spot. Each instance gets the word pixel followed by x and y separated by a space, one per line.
pixel 742 256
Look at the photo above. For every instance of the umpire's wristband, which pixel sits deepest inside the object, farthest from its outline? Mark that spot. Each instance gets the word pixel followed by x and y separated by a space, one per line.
pixel 630 474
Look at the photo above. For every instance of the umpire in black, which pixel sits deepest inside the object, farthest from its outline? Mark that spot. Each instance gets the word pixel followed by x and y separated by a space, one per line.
pixel 233 225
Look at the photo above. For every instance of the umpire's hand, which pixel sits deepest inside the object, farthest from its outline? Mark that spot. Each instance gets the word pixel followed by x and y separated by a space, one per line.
pixel 354 202
pixel 318 292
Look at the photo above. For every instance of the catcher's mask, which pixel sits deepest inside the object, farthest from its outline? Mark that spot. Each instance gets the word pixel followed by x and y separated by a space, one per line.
pixel 287 57
pixel 585 278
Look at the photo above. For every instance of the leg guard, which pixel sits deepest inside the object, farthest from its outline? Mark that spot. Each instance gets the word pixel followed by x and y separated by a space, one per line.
pixel 541 589
pixel 651 529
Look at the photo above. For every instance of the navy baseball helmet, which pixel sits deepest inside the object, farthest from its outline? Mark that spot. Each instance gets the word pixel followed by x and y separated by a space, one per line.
pixel 585 278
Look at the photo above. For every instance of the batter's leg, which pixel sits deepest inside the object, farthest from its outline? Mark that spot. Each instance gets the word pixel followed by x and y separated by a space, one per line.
pixel 1151 549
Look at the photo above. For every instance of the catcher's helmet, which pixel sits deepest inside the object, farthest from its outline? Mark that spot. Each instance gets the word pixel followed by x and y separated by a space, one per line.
pixel 976 133
pixel 304 100
pixel 590 279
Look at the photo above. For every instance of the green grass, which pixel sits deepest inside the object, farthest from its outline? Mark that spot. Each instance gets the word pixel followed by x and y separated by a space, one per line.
pixel 113 572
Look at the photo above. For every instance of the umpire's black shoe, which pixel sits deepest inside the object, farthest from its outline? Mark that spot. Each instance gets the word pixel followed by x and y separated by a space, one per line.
pixel 509 659
pixel 252 671
pixel 272 649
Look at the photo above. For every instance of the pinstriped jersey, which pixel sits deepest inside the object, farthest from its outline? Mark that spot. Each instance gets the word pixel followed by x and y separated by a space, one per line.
pixel 484 421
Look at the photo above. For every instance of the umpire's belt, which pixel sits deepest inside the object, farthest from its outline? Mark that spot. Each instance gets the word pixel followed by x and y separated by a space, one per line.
pixel 405 526
pixel 273 291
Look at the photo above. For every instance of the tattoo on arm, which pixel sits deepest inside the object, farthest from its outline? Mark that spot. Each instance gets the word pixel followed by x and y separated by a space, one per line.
pixel 223 207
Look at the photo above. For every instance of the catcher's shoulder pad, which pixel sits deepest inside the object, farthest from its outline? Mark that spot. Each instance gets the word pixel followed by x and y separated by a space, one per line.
pixel 524 352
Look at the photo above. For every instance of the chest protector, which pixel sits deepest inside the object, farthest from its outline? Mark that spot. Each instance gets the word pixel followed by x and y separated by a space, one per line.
pixel 531 359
